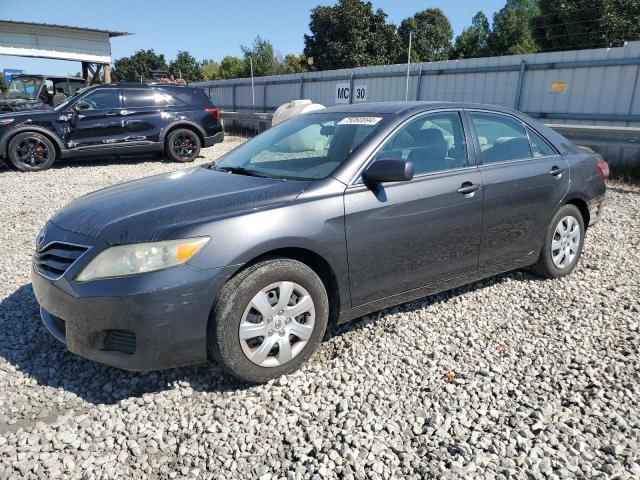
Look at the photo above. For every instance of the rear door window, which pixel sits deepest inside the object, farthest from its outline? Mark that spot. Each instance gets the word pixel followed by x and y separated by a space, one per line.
pixel 539 146
pixel 141 98
pixel 501 138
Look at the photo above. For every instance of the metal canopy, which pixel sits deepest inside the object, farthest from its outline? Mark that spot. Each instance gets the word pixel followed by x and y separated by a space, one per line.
pixel 61 42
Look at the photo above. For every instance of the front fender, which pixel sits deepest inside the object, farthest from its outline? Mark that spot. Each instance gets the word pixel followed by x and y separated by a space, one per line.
pixel 7 136
pixel 315 225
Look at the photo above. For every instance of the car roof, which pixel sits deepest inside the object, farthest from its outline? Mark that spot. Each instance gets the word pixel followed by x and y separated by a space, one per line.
pixel 409 106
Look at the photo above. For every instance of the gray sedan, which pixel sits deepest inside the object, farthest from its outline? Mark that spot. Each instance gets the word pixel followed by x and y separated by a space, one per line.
pixel 324 218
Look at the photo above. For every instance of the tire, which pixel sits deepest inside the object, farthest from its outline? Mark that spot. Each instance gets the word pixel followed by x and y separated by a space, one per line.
pixel 233 309
pixel 182 145
pixel 563 264
pixel 31 152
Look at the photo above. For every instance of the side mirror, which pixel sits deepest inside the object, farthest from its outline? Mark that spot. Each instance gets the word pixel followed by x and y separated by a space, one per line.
pixel 388 170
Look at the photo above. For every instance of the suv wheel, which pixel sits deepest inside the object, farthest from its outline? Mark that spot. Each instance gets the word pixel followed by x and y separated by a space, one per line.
pixel 268 320
pixel 563 244
pixel 182 145
pixel 31 152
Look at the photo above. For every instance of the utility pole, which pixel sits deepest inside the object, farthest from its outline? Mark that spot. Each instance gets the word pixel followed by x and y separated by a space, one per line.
pixel 406 88
pixel 253 93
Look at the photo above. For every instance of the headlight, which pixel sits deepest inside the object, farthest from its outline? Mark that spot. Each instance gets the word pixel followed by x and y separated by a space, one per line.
pixel 6 121
pixel 140 258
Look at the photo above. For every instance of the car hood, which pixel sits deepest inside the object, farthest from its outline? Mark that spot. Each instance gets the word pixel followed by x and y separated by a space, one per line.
pixel 19 104
pixel 151 208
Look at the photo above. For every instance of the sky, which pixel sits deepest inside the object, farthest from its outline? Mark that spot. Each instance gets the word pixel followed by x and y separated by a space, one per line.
pixel 208 29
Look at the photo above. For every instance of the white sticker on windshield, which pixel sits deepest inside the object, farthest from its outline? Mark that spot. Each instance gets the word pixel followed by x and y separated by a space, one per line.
pixel 360 121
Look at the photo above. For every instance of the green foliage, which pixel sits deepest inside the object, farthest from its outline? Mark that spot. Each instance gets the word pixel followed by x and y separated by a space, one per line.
pixel 210 70
pixel 431 35
pixel 350 34
pixel 232 67
pixel 295 63
pixel 137 66
pixel 572 24
pixel 263 56
pixel 187 67
pixel 511 32
pixel 473 41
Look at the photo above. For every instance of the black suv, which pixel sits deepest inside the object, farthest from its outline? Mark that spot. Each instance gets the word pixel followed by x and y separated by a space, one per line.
pixel 113 119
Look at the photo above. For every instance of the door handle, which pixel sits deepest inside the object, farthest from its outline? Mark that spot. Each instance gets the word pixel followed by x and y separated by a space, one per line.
pixel 556 171
pixel 111 114
pixel 469 188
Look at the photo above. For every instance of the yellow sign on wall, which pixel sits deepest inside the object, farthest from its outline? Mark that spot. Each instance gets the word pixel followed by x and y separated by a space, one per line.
pixel 558 87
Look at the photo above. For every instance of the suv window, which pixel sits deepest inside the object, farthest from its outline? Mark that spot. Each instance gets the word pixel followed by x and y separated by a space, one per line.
pixel 433 142
pixel 539 147
pixel 133 98
pixel 102 99
pixel 501 138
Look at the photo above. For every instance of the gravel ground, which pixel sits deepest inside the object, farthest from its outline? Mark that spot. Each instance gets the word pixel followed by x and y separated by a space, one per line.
pixel 509 377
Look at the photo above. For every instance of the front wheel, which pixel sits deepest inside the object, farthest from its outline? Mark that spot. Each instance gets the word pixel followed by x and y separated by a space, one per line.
pixel 563 244
pixel 268 320
pixel 31 152
pixel 182 145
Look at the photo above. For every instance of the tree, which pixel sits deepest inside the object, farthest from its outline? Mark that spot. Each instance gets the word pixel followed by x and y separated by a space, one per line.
pixel 512 32
pixel 232 67
pixel 262 54
pixel 575 24
pixel 473 41
pixel 350 34
pixel 187 67
pixel 295 63
pixel 210 70
pixel 431 34
pixel 137 66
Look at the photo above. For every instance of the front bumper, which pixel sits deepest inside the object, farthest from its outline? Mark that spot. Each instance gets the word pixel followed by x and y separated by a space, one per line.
pixel 143 322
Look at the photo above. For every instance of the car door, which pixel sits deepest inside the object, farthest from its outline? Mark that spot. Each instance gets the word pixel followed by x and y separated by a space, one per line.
pixel 524 179
pixel 97 121
pixel 405 235
pixel 143 108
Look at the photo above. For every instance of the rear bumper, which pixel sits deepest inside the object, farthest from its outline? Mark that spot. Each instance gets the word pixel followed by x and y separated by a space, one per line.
pixel 212 140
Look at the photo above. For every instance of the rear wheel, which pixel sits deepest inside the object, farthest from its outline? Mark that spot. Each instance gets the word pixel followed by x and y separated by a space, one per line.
pixel 31 152
pixel 268 320
pixel 182 145
pixel 563 243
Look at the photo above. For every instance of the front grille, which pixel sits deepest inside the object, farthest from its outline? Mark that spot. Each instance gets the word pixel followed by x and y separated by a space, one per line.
pixel 54 259
pixel 120 341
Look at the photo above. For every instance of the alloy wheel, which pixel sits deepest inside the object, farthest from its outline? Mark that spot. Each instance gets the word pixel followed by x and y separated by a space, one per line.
pixel 277 324
pixel 184 144
pixel 32 152
pixel 566 242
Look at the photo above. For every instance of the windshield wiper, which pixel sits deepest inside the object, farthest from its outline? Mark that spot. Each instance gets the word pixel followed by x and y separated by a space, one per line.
pixel 242 171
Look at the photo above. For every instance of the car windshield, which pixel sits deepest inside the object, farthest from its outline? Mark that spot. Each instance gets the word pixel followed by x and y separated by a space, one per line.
pixel 24 88
pixel 307 147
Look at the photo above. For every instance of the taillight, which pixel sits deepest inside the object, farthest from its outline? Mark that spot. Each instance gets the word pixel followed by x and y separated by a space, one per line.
pixel 603 169
pixel 213 111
